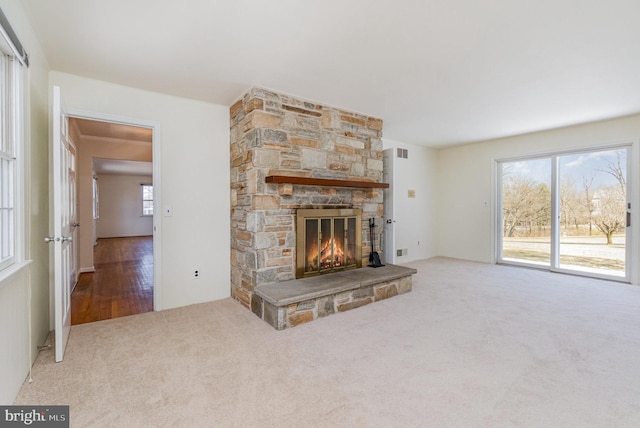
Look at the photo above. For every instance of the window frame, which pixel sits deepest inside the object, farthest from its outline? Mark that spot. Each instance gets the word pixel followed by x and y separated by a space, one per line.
pixel 13 132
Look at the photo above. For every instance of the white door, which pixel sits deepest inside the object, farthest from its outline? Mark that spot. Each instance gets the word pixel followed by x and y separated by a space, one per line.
pixel 63 168
pixel 389 222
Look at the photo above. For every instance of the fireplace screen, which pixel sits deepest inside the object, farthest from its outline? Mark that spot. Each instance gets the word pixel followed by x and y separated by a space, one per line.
pixel 327 241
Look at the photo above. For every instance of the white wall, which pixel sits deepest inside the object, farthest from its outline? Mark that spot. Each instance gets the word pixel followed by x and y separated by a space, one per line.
pixel 466 197
pixel 120 206
pixel 415 227
pixel 24 298
pixel 195 181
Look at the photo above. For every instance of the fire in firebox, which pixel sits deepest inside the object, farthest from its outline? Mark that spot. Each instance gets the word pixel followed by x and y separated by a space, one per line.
pixel 330 256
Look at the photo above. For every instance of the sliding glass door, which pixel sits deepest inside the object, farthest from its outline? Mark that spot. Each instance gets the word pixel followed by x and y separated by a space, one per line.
pixel 567 212
pixel 526 211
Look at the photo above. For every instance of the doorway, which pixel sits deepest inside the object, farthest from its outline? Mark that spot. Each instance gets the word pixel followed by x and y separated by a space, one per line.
pixel 116 233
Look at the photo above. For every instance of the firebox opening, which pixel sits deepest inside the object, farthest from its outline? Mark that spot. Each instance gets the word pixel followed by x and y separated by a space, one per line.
pixel 328 240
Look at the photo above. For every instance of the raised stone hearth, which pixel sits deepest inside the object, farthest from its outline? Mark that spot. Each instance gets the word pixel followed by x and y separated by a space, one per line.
pixel 289 154
pixel 290 303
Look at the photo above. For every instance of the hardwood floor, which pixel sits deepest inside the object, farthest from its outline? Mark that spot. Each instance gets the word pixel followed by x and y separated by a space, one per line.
pixel 121 285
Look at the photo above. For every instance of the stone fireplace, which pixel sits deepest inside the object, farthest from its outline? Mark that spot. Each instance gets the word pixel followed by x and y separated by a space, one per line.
pixel 291 156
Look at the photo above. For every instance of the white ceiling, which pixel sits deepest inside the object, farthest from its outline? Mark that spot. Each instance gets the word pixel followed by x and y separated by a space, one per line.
pixel 438 72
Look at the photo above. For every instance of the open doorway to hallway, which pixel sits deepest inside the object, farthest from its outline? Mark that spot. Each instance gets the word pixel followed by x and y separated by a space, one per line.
pixel 115 206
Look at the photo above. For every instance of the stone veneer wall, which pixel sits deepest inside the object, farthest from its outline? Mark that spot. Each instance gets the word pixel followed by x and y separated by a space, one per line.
pixel 277 134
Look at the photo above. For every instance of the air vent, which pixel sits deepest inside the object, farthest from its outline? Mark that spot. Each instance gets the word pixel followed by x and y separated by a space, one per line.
pixel 403 153
pixel 402 252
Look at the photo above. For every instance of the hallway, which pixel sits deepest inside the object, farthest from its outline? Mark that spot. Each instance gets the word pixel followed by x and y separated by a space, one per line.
pixel 121 285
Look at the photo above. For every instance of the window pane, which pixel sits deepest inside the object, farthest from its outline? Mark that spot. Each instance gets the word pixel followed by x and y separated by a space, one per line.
pixel 5 141
pixel 147 199
pixel 147 192
pixel 593 195
pixel 526 209
pixel 147 207
pixel 7 225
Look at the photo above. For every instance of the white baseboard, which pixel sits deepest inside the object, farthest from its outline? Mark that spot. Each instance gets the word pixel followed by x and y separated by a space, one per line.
pixel 87 269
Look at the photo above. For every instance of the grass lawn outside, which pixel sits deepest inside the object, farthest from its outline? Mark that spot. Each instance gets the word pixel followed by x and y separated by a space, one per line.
pixel 576 252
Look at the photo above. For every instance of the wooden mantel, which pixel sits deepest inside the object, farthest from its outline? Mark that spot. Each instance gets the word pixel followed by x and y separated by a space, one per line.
pixel 310 181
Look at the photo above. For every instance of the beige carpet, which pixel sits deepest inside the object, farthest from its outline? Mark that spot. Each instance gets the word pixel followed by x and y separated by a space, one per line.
pixel 473 345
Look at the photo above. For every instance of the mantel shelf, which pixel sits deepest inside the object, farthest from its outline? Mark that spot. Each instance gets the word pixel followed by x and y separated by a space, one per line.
pixel 309 181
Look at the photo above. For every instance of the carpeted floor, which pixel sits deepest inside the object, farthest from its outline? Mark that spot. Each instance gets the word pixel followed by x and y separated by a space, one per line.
pixel 473 345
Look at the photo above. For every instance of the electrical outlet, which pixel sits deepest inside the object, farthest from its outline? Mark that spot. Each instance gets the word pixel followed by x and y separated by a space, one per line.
pixel 196 274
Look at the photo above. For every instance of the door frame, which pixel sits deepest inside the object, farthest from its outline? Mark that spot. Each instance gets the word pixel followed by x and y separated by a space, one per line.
pixel 157 184
pixel 388 226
